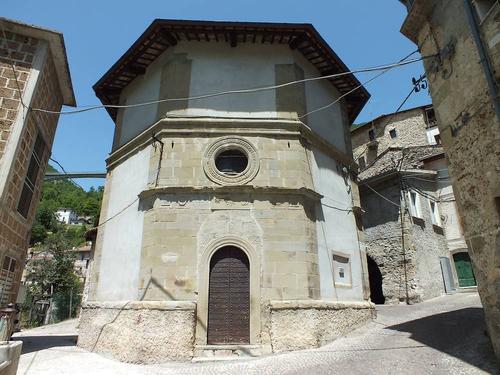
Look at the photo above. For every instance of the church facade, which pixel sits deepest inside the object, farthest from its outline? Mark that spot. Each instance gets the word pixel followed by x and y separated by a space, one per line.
pixel 230 218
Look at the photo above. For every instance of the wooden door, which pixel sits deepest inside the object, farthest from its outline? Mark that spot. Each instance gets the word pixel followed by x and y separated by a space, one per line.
pixel 229 297
pixel 465 273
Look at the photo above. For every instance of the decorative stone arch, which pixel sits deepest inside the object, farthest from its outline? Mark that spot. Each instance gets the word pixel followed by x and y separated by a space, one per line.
pixel 203 284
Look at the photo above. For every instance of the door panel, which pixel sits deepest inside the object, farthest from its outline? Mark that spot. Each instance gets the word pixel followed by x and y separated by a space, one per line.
pixel 465 273
pixel 229 297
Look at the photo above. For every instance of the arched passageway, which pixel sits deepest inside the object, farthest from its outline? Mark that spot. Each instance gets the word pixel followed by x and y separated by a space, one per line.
pixel 229 297
pixel 375 277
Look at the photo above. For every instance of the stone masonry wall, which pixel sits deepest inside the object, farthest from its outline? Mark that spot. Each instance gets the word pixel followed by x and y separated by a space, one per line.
pixel 139 332
pixel 383 241
pixel 424 242
pixel 178 228
pixel 469 132
pixel 283 162
pixel 19 51
pixel 280 226
pixel 303 324
pixel 410 131
pixel 15 229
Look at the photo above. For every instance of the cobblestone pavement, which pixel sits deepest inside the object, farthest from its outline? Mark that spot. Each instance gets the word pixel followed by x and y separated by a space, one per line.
pixel 441 336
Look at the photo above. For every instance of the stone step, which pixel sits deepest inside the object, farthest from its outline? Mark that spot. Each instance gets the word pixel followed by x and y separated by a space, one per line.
pixel 204 353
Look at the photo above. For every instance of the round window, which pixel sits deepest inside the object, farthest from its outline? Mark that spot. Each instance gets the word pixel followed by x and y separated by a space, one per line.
pixel 231 162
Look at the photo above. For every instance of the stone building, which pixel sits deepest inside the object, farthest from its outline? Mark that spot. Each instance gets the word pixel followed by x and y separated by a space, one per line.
pixel 41 80
pixel 418 251
pixel 463 82
pixel 228 223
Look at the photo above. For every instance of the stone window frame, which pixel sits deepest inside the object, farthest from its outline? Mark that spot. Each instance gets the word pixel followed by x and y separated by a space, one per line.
pixel 228 143
pixel 335 269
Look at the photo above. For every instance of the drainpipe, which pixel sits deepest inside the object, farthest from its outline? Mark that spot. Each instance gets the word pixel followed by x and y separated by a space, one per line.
pixel 485 63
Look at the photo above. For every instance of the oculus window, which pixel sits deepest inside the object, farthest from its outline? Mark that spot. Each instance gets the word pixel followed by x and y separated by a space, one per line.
pixel 231 162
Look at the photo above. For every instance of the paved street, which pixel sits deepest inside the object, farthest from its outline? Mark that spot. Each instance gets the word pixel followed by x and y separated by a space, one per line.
pixel 441 336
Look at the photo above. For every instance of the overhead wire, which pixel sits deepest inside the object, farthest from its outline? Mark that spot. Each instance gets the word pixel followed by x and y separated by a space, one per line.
pixel 66 173
pixel 384 68
pixel 360 85
pixel 238 91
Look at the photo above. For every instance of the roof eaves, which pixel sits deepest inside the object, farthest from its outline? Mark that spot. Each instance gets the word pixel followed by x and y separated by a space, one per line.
pixel 100 88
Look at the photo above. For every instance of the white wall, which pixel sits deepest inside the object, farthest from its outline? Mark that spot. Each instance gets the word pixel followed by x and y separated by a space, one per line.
pixel 338 232
pixel 217 67
pixel 143 89
pixel 431 132
pixel 121 255
pixel 66 215
pixel 327 122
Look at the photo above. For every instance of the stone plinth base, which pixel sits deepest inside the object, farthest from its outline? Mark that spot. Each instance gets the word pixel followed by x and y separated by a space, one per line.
pixel 156 332
pixel 309 324
pixel 139 332
pixel 10 351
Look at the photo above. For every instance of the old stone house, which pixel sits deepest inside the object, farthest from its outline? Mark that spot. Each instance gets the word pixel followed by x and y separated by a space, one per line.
pixel 413 236
pixel 464 85
pixel 228 224
pixel 33 73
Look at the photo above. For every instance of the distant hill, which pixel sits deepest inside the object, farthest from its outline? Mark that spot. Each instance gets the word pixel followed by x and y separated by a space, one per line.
pixel 63 193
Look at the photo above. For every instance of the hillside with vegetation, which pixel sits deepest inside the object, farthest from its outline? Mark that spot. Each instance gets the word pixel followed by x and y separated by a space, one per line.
pixel 64 194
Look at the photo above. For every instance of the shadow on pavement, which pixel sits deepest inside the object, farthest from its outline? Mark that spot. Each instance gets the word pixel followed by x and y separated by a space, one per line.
pixel 36 343
pixel 459 333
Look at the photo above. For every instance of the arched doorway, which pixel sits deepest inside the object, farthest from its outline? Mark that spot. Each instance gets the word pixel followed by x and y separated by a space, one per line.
pixel 229 297
pixel 463 266
pixel 375 277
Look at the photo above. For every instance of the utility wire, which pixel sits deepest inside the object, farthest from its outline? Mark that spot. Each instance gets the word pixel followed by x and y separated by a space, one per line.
pixel 115 215
pixel 382 196
pixel 385 69
pixel 344 95
pixel 401 61
pixel 240 91
pixel 66 173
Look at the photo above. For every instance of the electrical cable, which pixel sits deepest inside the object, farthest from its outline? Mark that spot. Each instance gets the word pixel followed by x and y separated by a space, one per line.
pixel 115 215
pixel 239 91
pixel 427 195
pixel 344 95
pixel 382 196
pixel 357 87
pixel 66 173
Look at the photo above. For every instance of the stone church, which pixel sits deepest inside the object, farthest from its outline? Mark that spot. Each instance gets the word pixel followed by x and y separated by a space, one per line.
pixel 230 222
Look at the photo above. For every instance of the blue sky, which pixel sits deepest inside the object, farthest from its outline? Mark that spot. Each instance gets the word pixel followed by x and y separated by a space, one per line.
pixel 362 32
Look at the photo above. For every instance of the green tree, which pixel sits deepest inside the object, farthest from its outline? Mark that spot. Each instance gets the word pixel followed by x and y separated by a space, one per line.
pixel 52 275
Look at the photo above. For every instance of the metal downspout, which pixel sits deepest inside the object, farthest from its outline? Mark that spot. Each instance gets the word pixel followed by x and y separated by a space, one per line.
pixel 488 71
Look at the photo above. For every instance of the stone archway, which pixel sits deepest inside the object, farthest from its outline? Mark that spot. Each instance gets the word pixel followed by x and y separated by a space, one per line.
pixel 229 297
pixel 375 277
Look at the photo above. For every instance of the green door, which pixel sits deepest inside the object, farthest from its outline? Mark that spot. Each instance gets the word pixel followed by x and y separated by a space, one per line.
pixel 464 270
